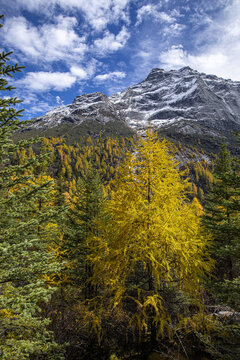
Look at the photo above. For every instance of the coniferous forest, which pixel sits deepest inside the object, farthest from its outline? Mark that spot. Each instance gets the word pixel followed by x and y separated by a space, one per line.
pixel 111 250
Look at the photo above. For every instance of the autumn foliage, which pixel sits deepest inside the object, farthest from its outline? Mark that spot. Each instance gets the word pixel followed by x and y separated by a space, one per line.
pixel 103 250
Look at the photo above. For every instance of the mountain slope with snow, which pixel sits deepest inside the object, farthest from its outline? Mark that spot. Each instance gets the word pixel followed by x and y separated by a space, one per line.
pixel 180 103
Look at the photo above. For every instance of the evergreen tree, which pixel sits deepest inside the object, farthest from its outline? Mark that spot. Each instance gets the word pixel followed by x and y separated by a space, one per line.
pixel 222 221
pixel 87 208
pixel 25 231
pixel 70 306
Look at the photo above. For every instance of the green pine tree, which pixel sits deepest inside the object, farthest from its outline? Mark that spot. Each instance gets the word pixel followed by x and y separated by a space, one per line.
pixel 222 222
pixel 86 210
pixel 221 217
pixel 26 229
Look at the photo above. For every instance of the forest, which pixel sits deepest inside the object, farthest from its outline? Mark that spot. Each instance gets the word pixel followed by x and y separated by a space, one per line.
pixel 111 250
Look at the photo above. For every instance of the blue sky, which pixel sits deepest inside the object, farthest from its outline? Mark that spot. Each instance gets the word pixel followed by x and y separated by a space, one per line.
pixel 72 47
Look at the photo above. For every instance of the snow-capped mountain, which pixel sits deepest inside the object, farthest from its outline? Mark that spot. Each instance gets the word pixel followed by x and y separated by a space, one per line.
pixel 179 102
pixel 96 106
pixel 171 96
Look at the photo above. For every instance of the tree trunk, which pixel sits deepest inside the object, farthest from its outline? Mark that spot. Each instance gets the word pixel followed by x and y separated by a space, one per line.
pixel 153 330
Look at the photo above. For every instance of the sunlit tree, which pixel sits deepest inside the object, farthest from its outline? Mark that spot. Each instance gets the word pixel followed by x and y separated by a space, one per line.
pixel 152 241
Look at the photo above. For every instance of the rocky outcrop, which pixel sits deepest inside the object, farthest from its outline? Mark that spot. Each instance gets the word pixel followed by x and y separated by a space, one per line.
pixel 179 102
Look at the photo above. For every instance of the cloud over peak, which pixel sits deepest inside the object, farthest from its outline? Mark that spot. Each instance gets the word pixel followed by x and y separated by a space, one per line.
pixel 107 45
pixel 115 75
pixel 217 48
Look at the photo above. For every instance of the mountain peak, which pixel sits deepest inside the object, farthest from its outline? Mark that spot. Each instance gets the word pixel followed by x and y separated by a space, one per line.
pixel 157 74
pixel 154 70
pixel 186 68
pixel 181 101
pixel 158 70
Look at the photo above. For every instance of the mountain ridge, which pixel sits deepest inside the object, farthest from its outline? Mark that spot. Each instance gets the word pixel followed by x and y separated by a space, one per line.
pixel 180 103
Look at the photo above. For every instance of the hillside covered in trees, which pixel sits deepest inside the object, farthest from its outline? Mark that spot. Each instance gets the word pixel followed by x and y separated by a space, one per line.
pixel 109 251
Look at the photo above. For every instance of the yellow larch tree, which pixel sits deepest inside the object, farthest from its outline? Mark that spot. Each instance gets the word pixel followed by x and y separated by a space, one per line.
pixel 152 241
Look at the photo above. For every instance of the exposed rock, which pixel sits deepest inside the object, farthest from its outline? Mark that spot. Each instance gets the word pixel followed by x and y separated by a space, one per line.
pixel 181 102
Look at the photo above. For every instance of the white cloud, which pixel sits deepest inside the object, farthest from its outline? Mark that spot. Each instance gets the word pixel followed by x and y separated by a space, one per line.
pixel 49 42
pixel 115 75
pixel 173 30
pixel 218 47
pixel 176 57
pixel 79 72
pixel 83 73
pixel 152 11
pixel 45 81
pixel 34 103
pixel 59 100
pixel 40 107
pixel 110 42
pixel 98 13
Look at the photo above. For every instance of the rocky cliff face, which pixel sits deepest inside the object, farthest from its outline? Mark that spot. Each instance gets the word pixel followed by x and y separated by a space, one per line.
pixel 181 96
pixel 95 106
pixel 181 103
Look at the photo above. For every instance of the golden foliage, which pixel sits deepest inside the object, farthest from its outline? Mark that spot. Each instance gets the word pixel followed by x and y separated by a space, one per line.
pixel 153 227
